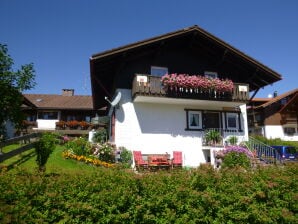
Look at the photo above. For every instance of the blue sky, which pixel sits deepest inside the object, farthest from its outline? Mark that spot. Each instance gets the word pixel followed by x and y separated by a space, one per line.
pixel 59 36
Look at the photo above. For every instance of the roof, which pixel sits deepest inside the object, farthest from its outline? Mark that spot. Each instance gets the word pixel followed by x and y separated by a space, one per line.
pixel 180 32
pixel 27 103
pixel 277 98
pixel 261 99
pixel 257 75
pixel 53 101
pixel 291 105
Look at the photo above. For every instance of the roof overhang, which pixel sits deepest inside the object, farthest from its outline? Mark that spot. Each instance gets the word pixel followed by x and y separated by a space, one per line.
pixel 261 74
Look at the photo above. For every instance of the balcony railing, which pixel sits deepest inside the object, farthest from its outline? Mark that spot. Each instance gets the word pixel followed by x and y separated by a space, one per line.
pixel 147 85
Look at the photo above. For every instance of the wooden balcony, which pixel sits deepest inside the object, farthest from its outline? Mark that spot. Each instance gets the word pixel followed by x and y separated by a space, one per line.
pixel 147 85
pixel 289 118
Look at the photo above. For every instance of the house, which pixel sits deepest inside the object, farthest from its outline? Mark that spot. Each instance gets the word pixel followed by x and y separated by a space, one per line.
pixel 275 117
pixel 155 115
pixel 9 125
pixel 52 108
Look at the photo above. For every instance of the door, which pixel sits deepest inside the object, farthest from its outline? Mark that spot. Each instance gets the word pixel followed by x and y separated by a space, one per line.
pixel 211 120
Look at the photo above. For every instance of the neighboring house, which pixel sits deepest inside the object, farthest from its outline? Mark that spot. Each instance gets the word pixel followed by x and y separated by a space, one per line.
pixel 9 126
pixel 51 108
pixel 155 119
pixel 275 117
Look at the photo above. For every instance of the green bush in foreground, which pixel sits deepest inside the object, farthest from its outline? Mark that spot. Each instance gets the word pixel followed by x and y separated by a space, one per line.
pixel 44 147
pixel 204 195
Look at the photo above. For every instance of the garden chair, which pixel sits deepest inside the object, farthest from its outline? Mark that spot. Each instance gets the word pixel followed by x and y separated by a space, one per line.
pixel 177 159
pixel 139 162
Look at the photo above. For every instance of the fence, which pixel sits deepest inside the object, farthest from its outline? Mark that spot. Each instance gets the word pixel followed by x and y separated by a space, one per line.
pixel 27 140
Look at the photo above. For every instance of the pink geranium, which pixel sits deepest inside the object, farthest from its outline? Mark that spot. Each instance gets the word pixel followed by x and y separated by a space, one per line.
pixel 174 81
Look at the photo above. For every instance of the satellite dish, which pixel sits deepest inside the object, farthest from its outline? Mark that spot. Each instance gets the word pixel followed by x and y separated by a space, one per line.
pixel 115 101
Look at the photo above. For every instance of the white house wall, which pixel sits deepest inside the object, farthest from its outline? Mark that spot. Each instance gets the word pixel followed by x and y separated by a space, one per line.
pixel 277 131
pixel 46 124
pixel 158 128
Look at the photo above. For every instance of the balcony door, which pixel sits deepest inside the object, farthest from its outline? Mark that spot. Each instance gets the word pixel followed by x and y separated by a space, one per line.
pixel 211 120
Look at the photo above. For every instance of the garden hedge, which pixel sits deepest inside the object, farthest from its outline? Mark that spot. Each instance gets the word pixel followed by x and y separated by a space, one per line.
pixel 204 195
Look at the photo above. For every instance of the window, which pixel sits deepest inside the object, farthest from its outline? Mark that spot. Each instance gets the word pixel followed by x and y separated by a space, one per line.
pixel 289 130
pixel 71 118
pixel 48 115
pixel 194 119
pixel 283 101
pixel 212 75
pixel 232 121
pixel 159 71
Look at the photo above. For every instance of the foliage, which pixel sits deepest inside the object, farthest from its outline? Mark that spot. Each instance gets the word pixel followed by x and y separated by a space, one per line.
pixel 232 140
pixel 125 155
pixel 276 141
pixel 100 136
pixel 106 152
pixel 44 147
pixel 176 81
pixel 234 156
pixel 79 146
pixel 234 159
pixel 12 83
pixel 86 159
pixel 266 195
pixel 212 136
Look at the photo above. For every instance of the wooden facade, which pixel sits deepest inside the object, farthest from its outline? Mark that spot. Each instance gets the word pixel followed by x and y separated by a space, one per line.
pixel 189 51
pixel 279 110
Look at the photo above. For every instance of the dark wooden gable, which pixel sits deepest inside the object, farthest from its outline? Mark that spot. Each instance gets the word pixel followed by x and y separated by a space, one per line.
pixel 188 51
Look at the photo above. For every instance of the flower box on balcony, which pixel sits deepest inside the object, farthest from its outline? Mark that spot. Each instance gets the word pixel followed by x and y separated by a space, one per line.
pixel 84 125
pixel 72 124
pixel 60 125
pixel 196 84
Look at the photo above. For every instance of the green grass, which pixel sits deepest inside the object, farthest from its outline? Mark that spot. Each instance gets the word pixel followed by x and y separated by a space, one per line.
pixel 56 163
pixel 10 148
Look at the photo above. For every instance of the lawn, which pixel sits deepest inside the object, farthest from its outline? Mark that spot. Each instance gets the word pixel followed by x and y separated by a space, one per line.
pixel 55 164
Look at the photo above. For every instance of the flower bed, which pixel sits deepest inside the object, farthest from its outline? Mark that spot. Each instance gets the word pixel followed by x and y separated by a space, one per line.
pixel 86 159
pixel 196 83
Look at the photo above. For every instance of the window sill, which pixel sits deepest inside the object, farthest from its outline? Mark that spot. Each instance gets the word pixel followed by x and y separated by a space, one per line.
pixel 192 129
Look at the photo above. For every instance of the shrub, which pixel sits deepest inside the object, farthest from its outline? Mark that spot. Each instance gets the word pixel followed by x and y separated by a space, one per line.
pixel 125 155
pixel 79 146
pixel 204 195
pixel 234 159
pixel 106 152
pixel 44 147
pixel 234 156
pixel 100 136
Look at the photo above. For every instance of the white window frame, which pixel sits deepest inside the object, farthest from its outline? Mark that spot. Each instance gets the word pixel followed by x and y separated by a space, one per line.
pixel 211 75
pixel 159 71
pixel 190 117
pixel 232 115
pixel 286 132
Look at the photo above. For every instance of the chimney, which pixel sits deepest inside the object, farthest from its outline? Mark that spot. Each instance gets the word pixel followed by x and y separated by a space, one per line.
pixel 67 92
pixel 275 94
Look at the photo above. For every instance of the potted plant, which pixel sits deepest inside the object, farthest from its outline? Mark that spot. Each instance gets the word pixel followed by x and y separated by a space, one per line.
pixel 213 137
pixel 72 124
pixel 60 125
pixel 84 125
pixel 233 140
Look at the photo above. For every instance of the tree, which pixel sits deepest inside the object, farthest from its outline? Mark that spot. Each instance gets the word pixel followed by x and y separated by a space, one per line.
pixel 12 83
